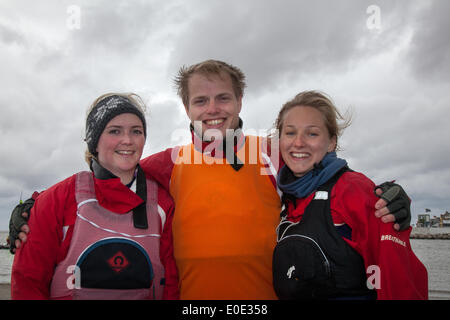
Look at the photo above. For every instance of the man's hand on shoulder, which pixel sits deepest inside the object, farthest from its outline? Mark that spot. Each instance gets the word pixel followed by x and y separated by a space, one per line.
pixel 394 205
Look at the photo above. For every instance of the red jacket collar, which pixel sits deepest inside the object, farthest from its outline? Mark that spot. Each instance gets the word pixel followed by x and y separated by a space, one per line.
pixel 113 195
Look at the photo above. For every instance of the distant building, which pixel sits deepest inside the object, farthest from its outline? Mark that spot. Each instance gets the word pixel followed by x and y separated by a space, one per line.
pixel 423 221
pixel 445 219
pixel 426 221
pixel 435 222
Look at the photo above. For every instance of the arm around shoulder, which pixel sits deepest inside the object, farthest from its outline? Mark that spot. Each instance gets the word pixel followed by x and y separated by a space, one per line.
pixel 34 262
pixel 159 167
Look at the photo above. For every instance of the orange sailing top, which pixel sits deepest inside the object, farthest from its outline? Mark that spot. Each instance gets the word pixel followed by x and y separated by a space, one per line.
pixel 224 224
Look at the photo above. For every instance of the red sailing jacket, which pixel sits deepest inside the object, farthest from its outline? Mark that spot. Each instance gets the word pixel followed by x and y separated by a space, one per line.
pixel 52 220
pixel 391 265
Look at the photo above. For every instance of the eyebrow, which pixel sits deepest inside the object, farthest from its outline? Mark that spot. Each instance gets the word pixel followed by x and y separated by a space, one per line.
pixel 217 95
pixel 308 126
pixel 117 126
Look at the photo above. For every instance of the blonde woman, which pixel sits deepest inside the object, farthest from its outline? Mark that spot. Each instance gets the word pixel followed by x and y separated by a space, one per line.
pixel 329 240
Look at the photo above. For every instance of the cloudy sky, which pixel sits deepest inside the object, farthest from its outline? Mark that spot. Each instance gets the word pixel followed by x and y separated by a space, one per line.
pixel 388 62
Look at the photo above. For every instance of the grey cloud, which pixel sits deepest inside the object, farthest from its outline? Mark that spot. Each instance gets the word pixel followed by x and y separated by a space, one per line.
pixel 278 42
pixel 430 45
pixel 122 27
pixel 404 138
pixel 166 125
pixel 10 36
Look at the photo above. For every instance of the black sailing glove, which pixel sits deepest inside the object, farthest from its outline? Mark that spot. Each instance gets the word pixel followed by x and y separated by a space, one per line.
pixel 17 221
pixel 398 203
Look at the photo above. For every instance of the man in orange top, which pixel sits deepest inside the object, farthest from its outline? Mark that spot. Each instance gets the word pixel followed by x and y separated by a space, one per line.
pixel 226 201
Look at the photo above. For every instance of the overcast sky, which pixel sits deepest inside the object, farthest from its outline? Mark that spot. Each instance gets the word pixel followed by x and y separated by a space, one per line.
pixel 388 62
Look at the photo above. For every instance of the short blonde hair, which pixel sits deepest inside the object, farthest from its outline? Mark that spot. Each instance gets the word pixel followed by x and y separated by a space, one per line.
pixel 321 102
pixel 209 67
pixel 135 99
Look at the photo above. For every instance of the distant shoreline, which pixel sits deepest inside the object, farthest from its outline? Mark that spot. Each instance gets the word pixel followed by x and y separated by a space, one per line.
pixel 444 236
pixel 430 233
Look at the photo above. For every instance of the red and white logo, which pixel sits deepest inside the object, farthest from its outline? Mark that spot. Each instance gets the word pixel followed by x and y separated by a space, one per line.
pixel 118 262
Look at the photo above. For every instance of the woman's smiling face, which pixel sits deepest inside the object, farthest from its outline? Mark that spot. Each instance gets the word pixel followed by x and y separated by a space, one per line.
pixel 304 139
pixel 121 145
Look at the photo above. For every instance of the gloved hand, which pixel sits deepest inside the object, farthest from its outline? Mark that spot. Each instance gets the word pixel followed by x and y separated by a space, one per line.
pixel 17 220
pixel 398 203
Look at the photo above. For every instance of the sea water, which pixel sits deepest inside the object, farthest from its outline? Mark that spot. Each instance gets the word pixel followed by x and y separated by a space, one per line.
pixel 6 260
pixel 435 255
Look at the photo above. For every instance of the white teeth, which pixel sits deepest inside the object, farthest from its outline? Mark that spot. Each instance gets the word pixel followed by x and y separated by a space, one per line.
pixel 214 122
pixel 125 152
pixel 300 155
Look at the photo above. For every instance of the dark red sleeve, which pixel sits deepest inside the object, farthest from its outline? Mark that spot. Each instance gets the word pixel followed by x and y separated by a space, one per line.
pixel 391 265
pixel 171 289
pixel 34 262
pixel 159 167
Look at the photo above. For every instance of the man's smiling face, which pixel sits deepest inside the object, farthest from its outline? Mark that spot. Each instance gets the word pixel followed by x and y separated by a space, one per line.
pixel 213 103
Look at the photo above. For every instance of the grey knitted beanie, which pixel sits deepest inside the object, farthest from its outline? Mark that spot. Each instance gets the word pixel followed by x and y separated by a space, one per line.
pixel 103 112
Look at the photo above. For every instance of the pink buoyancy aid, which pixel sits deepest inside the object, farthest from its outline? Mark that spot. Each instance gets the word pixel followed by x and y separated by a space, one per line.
pixel 108 258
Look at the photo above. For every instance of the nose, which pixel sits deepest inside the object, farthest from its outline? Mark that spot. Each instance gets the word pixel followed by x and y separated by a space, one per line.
pixel 126 138
pixel 299 141
pixel 212 107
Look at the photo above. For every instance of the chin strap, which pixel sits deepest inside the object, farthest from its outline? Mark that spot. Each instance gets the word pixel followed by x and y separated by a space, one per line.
pixel 140 212
pixel 232 158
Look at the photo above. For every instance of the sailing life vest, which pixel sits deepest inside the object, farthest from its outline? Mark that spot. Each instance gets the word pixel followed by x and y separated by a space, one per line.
pixel 312 261
pixel 108 257
pixel 224 224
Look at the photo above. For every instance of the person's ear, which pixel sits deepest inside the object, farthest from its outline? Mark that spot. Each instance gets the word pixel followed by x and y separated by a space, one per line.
pixel 239 100
pixel 333 144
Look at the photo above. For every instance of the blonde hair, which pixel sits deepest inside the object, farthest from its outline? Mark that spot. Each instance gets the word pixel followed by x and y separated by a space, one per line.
pixel 135 99
pixel 209 67
pixel 335 122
